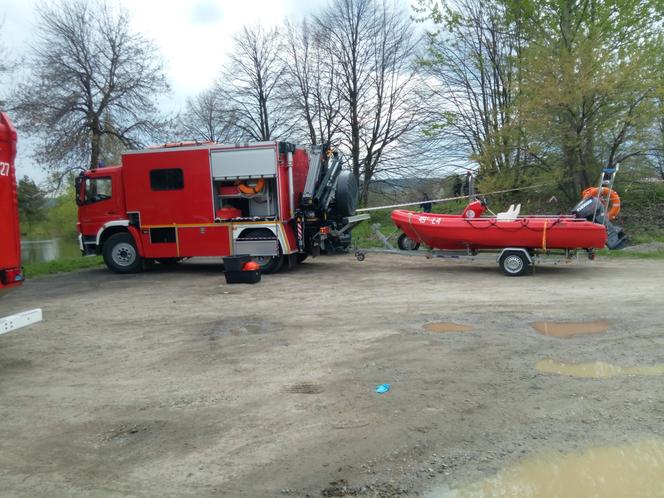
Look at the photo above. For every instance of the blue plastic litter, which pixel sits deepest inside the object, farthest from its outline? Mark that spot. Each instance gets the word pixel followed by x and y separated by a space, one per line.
pixel 382 388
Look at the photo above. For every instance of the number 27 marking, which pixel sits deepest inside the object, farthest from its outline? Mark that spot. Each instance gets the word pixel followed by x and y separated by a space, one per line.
pixel 4 169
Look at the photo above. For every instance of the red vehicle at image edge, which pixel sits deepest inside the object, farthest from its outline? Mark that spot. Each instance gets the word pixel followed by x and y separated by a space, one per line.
pixel 11 273
pixel 271 200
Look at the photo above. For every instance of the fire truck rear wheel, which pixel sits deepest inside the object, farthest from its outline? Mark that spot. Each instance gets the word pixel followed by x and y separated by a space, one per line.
pixel 268 264
pixel 121 255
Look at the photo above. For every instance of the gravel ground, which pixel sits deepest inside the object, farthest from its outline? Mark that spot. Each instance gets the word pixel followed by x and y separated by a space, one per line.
pixel 171 383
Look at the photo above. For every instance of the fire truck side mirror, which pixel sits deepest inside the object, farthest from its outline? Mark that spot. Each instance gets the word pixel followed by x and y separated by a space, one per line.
pixel 77 187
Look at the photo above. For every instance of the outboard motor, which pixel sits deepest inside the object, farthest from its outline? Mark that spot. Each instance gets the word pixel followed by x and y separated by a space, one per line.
pixel 592 209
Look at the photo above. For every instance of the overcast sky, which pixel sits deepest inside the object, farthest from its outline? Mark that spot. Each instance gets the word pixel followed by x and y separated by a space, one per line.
pixel 194 36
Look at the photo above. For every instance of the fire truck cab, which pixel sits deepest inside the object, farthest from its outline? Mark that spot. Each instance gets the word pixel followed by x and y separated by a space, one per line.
pixel 271 200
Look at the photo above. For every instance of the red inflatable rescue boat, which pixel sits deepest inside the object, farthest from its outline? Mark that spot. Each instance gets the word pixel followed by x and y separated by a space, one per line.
pixel 471 231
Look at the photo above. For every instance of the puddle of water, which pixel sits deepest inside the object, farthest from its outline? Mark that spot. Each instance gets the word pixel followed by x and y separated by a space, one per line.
pixel 596 370
pixel 447 327
pixel 635 469
pixel 570 329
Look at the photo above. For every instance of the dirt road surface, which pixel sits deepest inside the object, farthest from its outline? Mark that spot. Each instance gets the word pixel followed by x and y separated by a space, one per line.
pixel 171 383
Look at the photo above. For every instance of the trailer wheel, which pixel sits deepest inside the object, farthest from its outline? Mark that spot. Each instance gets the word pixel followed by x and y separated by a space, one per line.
pixel 268 264
pixel 514 263
pixel 120 254
pixel 405 243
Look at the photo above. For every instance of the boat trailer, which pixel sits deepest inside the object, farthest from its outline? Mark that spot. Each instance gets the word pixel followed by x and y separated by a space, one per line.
pixel 513 261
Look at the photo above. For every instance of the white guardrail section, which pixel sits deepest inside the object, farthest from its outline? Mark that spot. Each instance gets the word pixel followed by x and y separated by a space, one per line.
pixel 20 320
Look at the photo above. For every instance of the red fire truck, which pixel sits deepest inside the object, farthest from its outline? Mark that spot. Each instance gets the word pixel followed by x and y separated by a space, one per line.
pixel 11 273
pixel 271 200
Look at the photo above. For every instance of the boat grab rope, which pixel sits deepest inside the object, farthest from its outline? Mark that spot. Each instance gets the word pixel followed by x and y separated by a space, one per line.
pixel 524 223
pixel 447 199
pixel 492 222
pixel 410 222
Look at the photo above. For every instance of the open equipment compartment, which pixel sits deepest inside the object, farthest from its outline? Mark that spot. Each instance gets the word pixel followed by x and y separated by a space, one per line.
pixel 244 182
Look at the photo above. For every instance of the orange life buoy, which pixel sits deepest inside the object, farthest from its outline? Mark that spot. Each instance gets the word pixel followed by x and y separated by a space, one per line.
pixel 614 199
pixel 251 189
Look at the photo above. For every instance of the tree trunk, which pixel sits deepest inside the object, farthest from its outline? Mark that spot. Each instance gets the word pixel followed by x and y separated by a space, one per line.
pixel 355 136
pixel 95 149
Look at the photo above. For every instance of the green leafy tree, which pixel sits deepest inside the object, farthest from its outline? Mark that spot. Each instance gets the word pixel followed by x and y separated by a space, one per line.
pixel 64 213
pixel 31 202
pixel 591 75
pixel 549 91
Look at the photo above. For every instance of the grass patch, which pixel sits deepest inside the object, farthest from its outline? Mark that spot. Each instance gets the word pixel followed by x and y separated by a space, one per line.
pixel 363 236
pixel 659 254
pixel 644 237
pixel 61 266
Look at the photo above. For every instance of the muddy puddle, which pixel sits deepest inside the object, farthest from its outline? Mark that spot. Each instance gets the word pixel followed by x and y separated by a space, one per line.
pixel 635 469
pixel 570 329
pixel 442 327
pixel 596 370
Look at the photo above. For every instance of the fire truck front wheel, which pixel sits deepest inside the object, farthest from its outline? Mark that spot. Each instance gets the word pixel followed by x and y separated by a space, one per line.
pixel 121 255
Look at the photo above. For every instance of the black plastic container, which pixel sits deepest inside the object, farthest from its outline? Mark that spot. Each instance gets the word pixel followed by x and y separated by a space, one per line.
pixel 243 277
pixel 236 262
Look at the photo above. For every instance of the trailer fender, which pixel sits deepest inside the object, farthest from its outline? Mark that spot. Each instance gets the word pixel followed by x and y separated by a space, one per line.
pixel 519 249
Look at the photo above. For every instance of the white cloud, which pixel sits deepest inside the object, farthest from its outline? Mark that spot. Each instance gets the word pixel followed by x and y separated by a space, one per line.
pixel 205 13
pixel 194 37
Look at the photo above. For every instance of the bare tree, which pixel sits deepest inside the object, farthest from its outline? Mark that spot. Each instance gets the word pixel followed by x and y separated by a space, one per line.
pixel 3 52
pixel 310 82
pixel 206 119
pixel 92 81
pixel 373 46
pixel 473 80
pixel 250 84
pixel 6 65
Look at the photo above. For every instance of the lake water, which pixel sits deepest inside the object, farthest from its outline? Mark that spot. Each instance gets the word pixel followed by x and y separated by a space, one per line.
pixel 36 251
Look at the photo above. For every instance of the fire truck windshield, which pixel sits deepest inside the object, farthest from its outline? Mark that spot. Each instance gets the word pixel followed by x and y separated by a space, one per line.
pixel 97 189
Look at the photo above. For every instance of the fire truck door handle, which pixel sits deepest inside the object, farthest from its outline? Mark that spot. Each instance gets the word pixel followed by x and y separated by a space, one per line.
pixel 111 212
